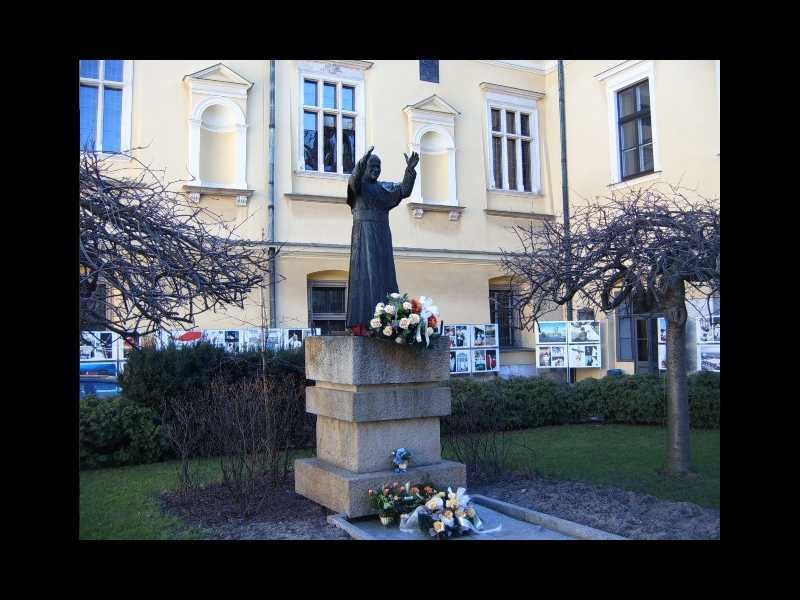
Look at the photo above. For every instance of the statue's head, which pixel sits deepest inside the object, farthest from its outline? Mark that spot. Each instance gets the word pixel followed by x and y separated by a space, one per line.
pixel 373 168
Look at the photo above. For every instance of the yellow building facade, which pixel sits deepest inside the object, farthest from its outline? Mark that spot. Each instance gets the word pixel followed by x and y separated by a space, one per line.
pixel 269 146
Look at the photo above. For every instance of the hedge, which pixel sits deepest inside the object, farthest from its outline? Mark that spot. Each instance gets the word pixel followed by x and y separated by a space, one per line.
pixel 529 402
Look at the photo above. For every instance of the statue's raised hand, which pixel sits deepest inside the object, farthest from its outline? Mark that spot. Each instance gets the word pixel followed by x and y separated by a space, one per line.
pixel 411 162
pixel 362 164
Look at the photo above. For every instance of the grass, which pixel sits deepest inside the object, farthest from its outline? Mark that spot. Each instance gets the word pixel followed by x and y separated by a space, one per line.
pixel 122 503
pixel 624 456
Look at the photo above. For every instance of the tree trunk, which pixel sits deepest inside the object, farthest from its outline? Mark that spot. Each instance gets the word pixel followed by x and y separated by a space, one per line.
pixel 678 442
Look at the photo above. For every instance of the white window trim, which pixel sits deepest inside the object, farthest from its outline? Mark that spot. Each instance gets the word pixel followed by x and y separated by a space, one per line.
pixel 340 74
pixel 126 85
pixel 518 101
pixel 617 78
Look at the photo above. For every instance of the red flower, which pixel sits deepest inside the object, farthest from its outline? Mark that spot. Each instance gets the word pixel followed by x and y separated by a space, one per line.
pixel 416 306
pixel 371 492
pixel 385 491
pixel 415 490
pixel 432 322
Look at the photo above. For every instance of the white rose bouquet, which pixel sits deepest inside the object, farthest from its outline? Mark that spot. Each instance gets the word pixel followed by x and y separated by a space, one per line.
pixel 411 321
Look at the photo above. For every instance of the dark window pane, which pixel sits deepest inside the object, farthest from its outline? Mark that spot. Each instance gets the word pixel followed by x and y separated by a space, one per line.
pixel 497 159
pixel 310 92
pixel 526 166
pixel 329 326
pixel 329 147
pixel 112 119
pixel 627 102
pixel 628 137
pixel 90 68
pixel 512 164
pixel 495 120
pixel 329 95
pixel 348 98
pixel 348 144
pixel 500 312
pixel 429 70
pixel 510 125
pixel 647 157
pixel 645 131
pixel 310 139
pixel 88 110
pixel 630 162
pixel 644 96
pixel 524 124
pixel 113 70
pixel 328 300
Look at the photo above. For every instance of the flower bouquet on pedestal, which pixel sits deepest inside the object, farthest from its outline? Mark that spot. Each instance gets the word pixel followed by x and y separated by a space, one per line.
pixel 394 500
pixel 412 321
pixel 445 515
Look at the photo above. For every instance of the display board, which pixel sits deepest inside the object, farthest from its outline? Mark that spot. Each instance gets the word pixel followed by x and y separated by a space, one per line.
pixel 568 344
pixel 473 348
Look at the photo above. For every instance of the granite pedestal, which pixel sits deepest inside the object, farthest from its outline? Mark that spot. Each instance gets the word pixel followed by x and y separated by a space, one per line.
pixel 372 396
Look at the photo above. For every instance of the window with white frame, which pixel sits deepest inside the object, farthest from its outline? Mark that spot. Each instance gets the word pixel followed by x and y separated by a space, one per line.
pixel 331 117
pixel 513 139
pixel 105 105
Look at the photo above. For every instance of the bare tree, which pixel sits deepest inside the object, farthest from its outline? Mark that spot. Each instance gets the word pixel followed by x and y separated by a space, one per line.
pixel 162 259
pixel 646 247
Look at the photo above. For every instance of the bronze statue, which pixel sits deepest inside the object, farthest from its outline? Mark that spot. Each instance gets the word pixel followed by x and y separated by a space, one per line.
pixel 372 274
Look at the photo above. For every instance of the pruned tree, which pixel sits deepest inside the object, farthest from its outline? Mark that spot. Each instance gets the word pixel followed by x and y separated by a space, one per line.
pixel 162 259
pixel 647 248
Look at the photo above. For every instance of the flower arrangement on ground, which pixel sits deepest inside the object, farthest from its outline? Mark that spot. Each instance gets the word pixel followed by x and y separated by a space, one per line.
pixel 394 499
pixel 400 459
pixel 406 320
pixel 445 514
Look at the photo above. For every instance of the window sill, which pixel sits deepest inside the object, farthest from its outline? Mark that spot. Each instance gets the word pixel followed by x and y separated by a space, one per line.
pixel 195 191
pixel 518 214
pixel 317 198
pixel 323 175
pixel 418 209
pixel 492 192
pixel 112 156
pixel 644 178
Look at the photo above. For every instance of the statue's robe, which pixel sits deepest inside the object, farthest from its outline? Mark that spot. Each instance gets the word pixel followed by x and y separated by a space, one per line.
pixel 372 273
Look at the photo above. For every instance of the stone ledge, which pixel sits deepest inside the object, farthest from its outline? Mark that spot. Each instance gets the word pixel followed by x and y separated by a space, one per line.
pixel 387 404
pixel 346 492
pixel 357 360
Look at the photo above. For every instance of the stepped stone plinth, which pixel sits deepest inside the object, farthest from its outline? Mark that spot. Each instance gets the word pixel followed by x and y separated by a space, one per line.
pixel 372 396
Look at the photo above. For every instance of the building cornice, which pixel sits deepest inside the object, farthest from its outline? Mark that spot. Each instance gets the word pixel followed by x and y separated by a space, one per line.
pixel 537 67
pixel 511 91
pixel 618 68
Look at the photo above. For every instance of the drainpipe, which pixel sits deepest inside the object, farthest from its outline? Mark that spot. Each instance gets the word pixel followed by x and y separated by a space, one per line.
pixel 272 255
pixel 564 181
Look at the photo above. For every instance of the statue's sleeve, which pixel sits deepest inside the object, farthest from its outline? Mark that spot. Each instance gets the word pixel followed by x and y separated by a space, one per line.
pixel 405 187
pixel 354 186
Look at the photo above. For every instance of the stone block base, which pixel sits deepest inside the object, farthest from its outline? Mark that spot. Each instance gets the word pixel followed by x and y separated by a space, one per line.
pixel 345 492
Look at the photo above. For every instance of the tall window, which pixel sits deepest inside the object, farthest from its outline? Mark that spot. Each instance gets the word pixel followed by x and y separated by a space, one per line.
pixel 328 303
pixel 625 333
pixel 94 308
pixel 500 312
pixel 104 101
pixel 329 126
pixel 635 130
pixel 510 148
pixel 429 70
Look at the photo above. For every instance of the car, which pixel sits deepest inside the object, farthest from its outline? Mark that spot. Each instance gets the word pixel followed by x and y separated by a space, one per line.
pixel 100 386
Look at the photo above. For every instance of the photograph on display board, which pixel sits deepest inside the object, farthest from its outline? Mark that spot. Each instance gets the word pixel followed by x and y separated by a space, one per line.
pixel 274 339
pixel 478 336
pixel 96 345
pixel 492 362
pixel 450 334
pixel 708 358
pixel 707 330
pixel 186 338
pixel 129 345
pixel 662 331
pixel 584 356
pixel 662 357
pixel 232 338
pixel 462 336
pixel 294 339
pixel 583 331
pixel 490 330
pixel 478 361
pixel 462 361
pixel 251 340
pixel 551 332
pixel 551 357
pixel 215 337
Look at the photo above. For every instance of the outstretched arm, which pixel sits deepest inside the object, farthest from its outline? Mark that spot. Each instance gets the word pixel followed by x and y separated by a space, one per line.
pixel 358 172
pixel 407 185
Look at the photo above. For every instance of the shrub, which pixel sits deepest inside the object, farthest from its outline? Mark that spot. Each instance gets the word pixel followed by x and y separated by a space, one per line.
pixel 527 402
pixel 116 432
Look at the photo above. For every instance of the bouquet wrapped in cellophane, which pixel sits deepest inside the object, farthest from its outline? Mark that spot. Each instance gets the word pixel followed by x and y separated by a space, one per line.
pixel 406 320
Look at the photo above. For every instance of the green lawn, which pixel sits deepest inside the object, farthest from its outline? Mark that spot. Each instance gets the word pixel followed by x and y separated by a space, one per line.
pixel 122 503
pixel 624 456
